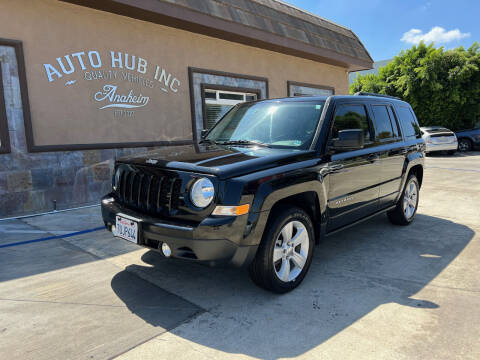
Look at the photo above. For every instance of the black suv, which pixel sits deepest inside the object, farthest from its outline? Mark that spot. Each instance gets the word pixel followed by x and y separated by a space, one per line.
pixel 270 180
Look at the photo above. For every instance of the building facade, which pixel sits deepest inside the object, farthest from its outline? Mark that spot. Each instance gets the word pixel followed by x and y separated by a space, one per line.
pixel 83 82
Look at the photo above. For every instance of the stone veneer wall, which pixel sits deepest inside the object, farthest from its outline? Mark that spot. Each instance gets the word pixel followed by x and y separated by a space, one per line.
pixel 32 182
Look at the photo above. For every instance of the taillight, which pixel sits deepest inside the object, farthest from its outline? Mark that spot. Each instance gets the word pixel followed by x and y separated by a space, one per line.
pixel 428 140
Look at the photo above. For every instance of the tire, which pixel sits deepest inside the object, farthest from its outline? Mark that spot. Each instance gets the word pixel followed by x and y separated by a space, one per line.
pixel 464 145
pixel 267 273
pixel 399 215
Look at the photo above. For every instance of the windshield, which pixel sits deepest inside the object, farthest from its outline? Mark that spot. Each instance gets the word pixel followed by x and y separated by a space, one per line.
pixel 289 124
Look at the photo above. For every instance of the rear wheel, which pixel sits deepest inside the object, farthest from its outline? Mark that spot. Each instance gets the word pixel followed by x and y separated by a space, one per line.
pixel 407 205
pixel 286 250
pixel 464 145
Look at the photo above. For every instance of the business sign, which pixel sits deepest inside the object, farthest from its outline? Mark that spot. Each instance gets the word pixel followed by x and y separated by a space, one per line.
pixel 126 83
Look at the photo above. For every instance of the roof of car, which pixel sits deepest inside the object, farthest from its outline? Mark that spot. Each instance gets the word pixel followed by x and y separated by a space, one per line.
pixel 336 97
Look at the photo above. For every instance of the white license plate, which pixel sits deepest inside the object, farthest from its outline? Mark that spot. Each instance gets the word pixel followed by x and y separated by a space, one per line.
pixel 443 140
pixel 126 229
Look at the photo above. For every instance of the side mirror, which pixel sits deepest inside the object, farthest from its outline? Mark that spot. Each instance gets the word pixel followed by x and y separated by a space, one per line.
pixel 203 133
pixel 351 139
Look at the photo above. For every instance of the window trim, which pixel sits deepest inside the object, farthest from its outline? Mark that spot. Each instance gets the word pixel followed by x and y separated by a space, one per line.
pixel 313 86
pixel 390 139
pixel 192 86
pixel 4 134
pixel 230 89
pixel 220 101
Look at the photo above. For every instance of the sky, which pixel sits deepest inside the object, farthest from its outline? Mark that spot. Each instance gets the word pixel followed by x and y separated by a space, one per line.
pixel 387 26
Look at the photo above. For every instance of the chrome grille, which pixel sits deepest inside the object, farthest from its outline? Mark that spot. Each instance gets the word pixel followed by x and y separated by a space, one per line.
pixel 148 191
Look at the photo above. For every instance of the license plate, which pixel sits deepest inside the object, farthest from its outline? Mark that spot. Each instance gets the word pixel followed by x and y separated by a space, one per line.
pixel 126 229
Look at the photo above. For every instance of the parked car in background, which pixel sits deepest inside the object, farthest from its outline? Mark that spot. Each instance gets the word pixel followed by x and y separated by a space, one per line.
pixel 468 139
pixel 439 139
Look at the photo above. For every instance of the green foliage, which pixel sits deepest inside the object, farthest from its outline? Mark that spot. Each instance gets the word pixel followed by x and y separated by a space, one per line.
pixel 443 86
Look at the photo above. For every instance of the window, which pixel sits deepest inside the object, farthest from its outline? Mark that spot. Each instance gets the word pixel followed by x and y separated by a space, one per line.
pixel 409 124
pixel 300 89
pixel 218 102
pixel 349 117
pixel 289 124
pixel 393 118
pixel 385 123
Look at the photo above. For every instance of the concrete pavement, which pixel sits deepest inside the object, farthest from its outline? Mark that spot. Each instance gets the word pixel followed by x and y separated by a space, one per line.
pixel 373 291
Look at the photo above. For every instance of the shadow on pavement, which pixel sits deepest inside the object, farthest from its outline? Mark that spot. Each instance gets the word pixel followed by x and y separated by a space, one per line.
pixel 352 273
pixel 458 154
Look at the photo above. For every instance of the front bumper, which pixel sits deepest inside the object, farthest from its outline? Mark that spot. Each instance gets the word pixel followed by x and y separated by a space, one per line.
pixel 441 147
pixel 215 241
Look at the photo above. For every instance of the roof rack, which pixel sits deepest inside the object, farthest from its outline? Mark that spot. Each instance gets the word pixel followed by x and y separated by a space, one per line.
pixel 362 93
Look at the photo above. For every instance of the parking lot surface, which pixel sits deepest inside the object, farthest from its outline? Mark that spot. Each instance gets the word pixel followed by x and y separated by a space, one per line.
pixel 70 290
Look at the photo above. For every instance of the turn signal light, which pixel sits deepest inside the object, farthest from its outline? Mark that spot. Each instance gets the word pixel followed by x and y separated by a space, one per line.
pixel 231 210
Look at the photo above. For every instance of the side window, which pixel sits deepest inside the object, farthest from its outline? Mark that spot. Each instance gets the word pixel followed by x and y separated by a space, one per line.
pixel 394 120
pixel 382 122
pixel 409 124
pixel 348 117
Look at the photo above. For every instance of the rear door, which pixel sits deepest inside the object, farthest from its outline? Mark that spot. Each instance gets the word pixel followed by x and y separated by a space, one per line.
pixel 391 150
pixel 353 175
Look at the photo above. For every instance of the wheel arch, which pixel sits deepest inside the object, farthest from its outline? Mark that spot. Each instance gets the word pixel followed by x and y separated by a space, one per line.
pixel 418 171
pixel 307 201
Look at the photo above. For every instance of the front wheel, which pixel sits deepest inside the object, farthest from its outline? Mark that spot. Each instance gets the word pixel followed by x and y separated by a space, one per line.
pixel 407 205
pixel 286 250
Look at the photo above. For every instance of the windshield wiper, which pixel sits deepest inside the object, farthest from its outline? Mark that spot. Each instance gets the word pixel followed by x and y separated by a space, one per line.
pixel 242 142
pixel 207 141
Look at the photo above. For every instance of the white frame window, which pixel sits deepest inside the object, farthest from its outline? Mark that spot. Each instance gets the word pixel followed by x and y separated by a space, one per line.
pixel 221 97
pixel 226 100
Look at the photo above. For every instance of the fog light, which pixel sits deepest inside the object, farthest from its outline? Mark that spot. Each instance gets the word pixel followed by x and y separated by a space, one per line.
pixel 166 250
pixel 108 200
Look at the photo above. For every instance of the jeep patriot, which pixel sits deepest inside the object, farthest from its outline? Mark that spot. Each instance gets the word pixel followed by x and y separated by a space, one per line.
pixel 269 181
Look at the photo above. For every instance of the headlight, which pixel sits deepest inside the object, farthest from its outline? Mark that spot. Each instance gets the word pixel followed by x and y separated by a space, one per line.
pixel 202 193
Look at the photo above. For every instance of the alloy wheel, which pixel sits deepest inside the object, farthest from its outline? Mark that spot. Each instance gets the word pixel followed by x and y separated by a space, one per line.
pixel 410 199
pixel 463 145
pixel 291 251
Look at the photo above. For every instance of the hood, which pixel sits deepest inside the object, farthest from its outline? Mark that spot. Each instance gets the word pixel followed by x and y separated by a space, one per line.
pixel 222 161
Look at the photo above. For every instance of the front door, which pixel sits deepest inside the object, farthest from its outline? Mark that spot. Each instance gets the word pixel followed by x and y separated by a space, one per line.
pixel 354 176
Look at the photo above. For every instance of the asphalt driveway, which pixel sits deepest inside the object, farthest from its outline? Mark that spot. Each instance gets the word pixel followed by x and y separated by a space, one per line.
pixel 70 290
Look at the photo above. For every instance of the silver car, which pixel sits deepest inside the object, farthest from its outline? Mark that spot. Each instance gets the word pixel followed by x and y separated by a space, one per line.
pixel 439 139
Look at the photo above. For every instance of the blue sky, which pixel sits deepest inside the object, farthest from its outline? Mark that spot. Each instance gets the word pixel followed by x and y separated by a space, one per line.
pixel 388 26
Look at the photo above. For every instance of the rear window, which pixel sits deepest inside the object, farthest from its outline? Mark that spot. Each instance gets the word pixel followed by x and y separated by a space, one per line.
pixel 438 131
pixel 410 126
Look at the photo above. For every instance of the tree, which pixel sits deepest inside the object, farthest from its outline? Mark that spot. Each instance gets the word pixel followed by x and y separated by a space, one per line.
pixel 443 86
